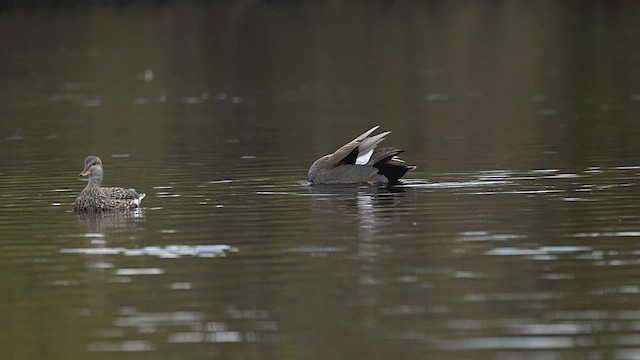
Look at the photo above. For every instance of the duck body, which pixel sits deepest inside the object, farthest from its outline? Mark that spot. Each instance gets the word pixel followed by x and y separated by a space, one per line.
pixel 359 161
pixel 95 198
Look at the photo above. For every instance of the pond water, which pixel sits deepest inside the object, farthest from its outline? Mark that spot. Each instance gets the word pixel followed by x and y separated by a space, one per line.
pixel 515 237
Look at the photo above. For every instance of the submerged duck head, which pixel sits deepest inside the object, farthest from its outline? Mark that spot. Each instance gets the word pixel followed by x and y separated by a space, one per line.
pixel 360 161
pixel 93 169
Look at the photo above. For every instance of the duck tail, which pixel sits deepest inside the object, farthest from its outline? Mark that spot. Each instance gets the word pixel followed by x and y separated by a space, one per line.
pixel 138 200
pixel 389 165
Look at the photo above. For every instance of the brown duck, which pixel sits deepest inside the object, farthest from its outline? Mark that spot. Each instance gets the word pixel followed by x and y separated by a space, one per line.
pixel 359 161
pixel 94 197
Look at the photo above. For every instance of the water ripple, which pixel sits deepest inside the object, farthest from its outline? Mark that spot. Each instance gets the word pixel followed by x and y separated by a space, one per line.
pixel 171 251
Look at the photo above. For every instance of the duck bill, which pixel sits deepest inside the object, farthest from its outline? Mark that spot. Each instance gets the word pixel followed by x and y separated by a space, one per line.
pixel 85 172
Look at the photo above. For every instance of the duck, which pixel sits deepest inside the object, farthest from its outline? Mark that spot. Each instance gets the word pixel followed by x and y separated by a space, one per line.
pixel 95 198
pixel 360 162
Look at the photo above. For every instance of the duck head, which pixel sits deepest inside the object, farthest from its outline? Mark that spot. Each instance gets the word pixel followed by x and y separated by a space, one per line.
pixel 93 169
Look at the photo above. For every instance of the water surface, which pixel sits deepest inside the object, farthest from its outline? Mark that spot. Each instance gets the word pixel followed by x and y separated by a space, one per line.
pixel 514 238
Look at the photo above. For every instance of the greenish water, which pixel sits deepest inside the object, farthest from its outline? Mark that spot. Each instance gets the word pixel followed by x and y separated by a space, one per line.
pixel 514 238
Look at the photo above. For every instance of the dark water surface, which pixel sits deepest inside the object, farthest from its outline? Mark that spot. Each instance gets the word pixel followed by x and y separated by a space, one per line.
pixel 516 237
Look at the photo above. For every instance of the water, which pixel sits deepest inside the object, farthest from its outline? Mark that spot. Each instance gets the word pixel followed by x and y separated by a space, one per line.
pixel 514 238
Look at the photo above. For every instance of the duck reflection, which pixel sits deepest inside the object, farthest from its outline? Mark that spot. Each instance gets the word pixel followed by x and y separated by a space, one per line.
pixel 362 218
pixel 374 205
pixel 98 222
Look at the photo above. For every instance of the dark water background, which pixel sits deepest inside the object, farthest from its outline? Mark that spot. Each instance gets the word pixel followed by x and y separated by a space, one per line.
pixel 515 238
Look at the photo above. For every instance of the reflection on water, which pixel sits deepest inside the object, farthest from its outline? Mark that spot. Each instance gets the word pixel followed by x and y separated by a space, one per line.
pixel 98 222
pixel 514 238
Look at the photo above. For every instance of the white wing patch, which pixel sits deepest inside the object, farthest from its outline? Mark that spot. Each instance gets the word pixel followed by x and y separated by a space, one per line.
pixel 364 158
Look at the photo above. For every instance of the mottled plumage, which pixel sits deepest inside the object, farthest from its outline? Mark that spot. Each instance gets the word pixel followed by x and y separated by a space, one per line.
pixel 359 161
pixel 94 197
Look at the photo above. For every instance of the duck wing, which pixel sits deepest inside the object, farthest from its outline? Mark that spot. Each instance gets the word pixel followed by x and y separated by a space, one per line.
pixel 358 150
pixel 118 193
